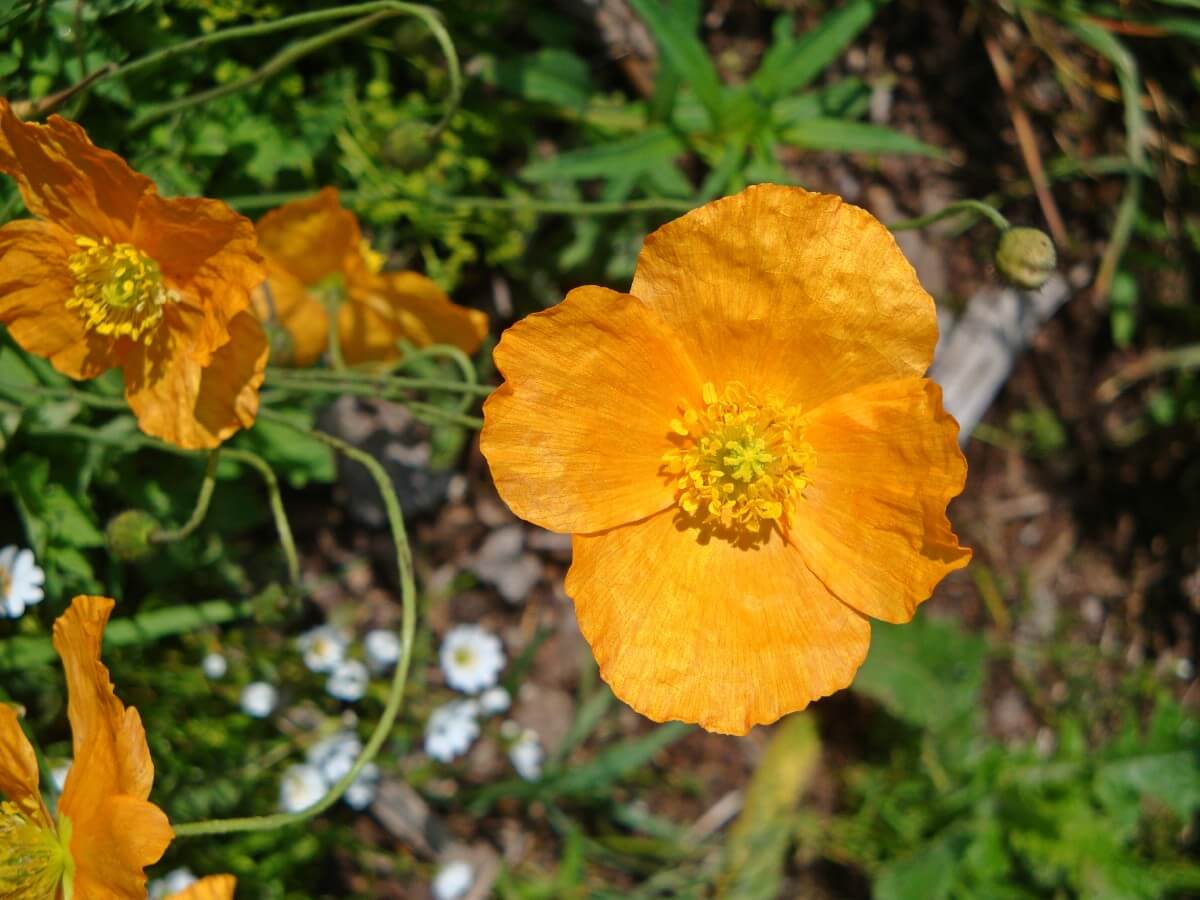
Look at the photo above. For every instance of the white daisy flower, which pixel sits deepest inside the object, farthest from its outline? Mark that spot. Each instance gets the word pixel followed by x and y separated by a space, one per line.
pixel 20 581
pixel 471 658
pixel 259 699
pixel 301 787
pixel 494 701
pixel 453 880
pixel 323 648
pixel 348 681
pixel 527 756
pixel 451 730
pixel 362 791
pixel 214 666
pixel 172 883
pixel 334 756
pixel 382 648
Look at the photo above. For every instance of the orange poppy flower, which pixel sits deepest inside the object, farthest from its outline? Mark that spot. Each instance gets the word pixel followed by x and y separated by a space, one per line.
pixel 315 250
pixel 214 887
pixel 106 831
pixel 110 274
pixel 744 450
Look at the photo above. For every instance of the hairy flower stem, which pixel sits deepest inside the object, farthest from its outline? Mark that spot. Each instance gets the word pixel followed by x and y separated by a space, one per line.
pixel 978 207
pixel 203 499
pixel 408 594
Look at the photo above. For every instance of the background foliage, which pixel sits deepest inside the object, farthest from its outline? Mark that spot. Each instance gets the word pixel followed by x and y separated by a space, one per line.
pixel 548 175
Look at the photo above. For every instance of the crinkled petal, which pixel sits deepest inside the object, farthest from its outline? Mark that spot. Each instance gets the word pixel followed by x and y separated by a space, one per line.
pixel 872 525
pixel 180 400
pixel 207 253
pixel 35 285
pixel 312 238
pixel 214 887
pixel 67 179
pixel 710 632
pixel 115 832
pixel 19 769
pixel 796 295
pixel 285 302
pixel 576 434
pixel 405 306
pixel 113 847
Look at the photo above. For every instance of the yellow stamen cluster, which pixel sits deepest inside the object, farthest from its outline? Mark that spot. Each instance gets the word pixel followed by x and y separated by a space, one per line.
pixel 737 461
pixel 373 259
pixel 32 860
pixel 119 290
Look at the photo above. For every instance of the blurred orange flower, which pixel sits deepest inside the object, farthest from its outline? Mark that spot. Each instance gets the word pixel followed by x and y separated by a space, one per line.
pixel 745 451
pixel 214 887
pixel 314 248
pixel 111 274
pixel 106 831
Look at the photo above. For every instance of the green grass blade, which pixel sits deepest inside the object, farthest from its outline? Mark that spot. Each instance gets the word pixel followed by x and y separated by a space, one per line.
pixel 856 137
pixel 684 52
pixel 792 64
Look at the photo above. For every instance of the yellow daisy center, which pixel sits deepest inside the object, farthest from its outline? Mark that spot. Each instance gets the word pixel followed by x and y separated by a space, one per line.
pixel 464 656
pixel 5 582
pixel 738 462
pixel 119 290
pixel 32 859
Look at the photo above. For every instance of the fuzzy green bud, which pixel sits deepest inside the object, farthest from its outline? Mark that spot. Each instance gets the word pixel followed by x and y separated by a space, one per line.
pixel 1026 257
pixel 130 535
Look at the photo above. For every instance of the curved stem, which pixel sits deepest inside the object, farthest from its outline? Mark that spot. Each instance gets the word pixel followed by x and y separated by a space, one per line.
pixel 371 14
pixel 203 499
pixel 283 527
pixel 960 206
pixel 408 594
pixel 303 378
pixel 23 393
pixel 460 359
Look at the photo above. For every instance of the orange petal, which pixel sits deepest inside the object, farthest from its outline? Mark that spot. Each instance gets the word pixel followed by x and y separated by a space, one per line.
pixel 112 847
pixel 798 296
pixel 575 435
pixel 115 832
pixel 207 252
pixel 312 238
pixel 408 306
pixel 214 887
pixel 191 405
pixel 65 178
pixel 709 632
pixel 110 752
pixel 284 301
pixel 19 769
pixel 35 285
pixel 873 523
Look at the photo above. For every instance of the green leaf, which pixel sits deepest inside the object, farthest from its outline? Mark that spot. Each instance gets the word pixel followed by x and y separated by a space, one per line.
pixel 855 137
pixel 21 652
pixel 845 99
pixel 683 51
pixel 550 75
pixel 1172 778
pixel 757 847
pixel 298 458
pixel 929 874
pixel 791 64
pixel 640 153
pixel 928 672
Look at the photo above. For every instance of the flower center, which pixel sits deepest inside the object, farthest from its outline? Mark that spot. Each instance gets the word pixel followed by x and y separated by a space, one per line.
pixel 32 859
pixel 6 582
pixel 119 290
pixel 464 657
pixel 737 462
